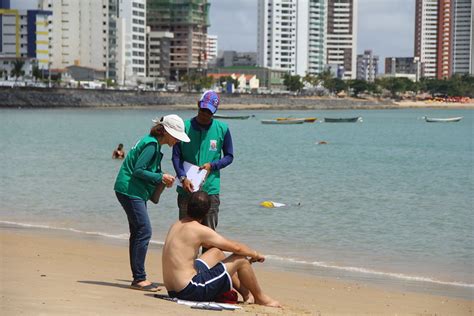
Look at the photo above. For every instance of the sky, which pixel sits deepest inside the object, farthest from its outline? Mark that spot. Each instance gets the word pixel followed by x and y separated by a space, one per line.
pixel 385 26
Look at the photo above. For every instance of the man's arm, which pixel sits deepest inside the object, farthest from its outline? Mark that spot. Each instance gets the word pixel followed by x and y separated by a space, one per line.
pixel 228 150
pixel 177 162
pixel 211 238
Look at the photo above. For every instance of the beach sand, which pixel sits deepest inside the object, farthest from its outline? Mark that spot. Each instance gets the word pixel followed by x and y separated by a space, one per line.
pixel 49 273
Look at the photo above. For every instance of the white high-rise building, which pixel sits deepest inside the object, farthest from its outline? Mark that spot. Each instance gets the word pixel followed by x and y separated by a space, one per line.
pixel 79 32
pixel 277 33
pixel 342 35
pixel 303 36
pixel 317 36
pixel 211 47
pixel 131 41
pixel 426 32
pixel 463 24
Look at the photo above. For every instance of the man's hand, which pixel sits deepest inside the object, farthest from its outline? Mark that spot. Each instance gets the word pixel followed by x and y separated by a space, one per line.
pixel 257 257
pixel 168 180
pixel 188 185
pixel 206 166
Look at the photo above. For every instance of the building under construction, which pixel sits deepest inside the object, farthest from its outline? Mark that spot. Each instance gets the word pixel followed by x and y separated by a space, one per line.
pixel 188 20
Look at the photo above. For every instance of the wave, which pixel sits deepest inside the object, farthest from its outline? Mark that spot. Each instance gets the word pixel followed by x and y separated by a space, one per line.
pixel 402 276
pixel 320 264
pixel 101 234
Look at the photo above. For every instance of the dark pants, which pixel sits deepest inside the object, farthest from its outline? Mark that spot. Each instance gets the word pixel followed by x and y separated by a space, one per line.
pixel 140 233
pixel 211 218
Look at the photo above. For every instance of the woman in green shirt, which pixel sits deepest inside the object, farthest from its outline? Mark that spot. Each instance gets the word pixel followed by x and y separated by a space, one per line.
pixel 136 181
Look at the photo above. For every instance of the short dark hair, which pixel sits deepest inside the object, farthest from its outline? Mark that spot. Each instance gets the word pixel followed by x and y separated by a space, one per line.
pixel 198 205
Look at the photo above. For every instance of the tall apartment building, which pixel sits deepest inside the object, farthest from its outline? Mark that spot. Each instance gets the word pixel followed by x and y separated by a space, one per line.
pixel 79 32
pixel 211 47
pixel 444 41
pixel 444 37
pixel 342 35
pixel 463 33
pixel 426 35
pixel 317 36
pixel 188 20
pixel 131 41
pixel 277 35
pixel 367 66
pixel 304 36
pixel 158 55
pixel 24 34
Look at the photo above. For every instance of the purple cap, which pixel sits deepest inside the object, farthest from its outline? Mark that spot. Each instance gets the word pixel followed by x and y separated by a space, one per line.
pixel 209 100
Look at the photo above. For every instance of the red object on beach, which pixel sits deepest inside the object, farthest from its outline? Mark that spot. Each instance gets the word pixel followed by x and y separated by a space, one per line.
pixel 229 297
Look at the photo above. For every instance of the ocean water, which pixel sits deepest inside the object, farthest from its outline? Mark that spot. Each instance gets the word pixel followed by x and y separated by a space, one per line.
pixel 388 200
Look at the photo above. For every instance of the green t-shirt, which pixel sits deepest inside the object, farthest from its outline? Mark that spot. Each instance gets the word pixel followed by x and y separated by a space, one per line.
pixel 141 169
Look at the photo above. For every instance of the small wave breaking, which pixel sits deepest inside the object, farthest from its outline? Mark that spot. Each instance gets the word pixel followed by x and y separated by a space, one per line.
pixel 73 230
pixel 402 276
pixel 320 264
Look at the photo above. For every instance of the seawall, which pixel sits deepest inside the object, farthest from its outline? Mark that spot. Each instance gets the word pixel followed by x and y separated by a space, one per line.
pixel 77 98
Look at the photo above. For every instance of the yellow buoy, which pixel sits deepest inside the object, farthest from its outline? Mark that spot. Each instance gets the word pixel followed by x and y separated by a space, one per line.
pixel 267 204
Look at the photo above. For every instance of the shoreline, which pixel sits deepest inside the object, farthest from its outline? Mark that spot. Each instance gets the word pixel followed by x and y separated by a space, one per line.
pixel 74 275
pixel 29 98
pixel 376 277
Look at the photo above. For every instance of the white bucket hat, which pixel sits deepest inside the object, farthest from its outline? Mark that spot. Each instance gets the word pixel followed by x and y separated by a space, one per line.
pixel 174 125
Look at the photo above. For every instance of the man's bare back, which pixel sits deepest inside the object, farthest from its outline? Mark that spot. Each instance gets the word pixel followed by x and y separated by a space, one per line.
pixel 179 252
pixel 181 248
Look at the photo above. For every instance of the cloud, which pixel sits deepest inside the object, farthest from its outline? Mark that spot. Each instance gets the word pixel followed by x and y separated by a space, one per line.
pixel 386 27
pixel 234 23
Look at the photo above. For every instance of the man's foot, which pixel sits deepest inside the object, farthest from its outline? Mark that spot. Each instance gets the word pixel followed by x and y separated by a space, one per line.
pixel 248 299
pixel 267 301
pixel 144 286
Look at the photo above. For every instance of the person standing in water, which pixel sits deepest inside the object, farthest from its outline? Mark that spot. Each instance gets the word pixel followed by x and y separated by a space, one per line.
pixel 118 153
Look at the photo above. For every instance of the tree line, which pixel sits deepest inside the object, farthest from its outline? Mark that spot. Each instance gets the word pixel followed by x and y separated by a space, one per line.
pixel 456 86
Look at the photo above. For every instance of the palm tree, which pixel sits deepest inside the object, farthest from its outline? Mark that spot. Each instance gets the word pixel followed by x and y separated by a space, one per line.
pixel 17 70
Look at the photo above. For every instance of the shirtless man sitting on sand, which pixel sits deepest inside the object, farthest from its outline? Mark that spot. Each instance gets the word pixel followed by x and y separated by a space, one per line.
pixel 188 277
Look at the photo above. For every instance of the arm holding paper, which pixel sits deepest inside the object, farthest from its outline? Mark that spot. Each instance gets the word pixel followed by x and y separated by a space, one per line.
pixel 194 177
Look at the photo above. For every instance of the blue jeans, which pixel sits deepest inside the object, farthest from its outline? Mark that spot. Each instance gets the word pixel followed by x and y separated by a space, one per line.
pixel 140 233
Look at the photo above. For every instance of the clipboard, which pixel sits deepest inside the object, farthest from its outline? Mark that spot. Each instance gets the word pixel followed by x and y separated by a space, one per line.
pixel 195 175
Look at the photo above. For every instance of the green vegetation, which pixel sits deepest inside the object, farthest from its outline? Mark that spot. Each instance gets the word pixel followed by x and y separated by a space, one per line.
pixel 17 70
pixel 456 86
pixel 293 83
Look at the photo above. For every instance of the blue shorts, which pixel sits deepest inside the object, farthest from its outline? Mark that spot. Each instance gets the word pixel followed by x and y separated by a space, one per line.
pixel 207 284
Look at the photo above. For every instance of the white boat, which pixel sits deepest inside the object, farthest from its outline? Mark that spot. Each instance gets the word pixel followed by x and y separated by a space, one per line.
pixel 442 120
pixel 283 122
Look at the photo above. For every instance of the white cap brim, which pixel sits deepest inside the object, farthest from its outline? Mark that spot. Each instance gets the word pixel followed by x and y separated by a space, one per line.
pixel 178 135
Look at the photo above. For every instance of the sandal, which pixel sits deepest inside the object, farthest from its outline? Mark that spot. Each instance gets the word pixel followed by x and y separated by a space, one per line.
pixel 148 288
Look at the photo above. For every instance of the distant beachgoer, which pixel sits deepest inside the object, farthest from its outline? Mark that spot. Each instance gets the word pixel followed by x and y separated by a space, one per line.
pixel 206 278
pixel 118 153
pixel 210 148
pixel 135 184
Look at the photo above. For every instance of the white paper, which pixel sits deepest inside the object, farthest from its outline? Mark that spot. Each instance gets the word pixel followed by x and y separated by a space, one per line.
pixel 195 175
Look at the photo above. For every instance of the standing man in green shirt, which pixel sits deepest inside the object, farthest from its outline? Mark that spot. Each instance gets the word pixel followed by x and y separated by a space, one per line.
pixel 210 148
pixel 136 181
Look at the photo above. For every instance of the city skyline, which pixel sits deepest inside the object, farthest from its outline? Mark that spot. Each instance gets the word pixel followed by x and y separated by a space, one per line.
pixel 384 26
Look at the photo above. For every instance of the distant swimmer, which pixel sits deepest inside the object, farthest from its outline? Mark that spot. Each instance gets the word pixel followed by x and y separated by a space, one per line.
pixel 322 142
pixel 118 153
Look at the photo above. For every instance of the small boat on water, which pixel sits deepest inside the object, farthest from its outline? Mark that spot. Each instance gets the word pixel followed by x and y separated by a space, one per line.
pixel 343 119
pixel 442 120
pixel 306 119
pixel 231 117
pixel 283 122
